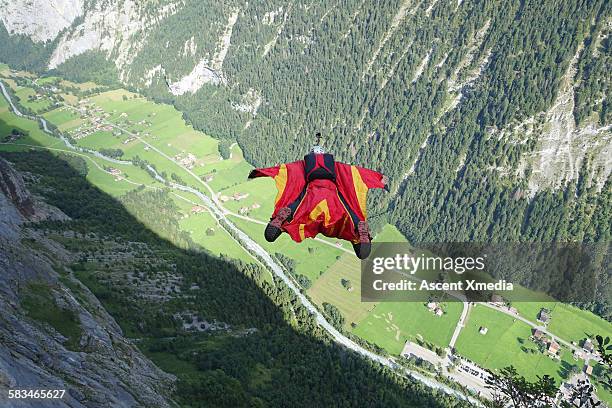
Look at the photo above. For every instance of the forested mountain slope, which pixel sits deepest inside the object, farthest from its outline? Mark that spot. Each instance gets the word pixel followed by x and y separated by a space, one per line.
pixel 491 118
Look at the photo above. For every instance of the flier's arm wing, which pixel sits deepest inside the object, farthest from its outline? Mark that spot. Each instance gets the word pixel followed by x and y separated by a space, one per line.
pixel 264 172
pixel 354 182
pixel 371 178
pixel 290 181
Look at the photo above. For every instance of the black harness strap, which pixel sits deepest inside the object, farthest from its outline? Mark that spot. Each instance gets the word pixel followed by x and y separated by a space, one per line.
pixel 348 209
pixel 315 170
pixel 319 166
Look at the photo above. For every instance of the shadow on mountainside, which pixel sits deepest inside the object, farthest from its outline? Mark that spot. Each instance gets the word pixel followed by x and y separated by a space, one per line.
pixel 277 364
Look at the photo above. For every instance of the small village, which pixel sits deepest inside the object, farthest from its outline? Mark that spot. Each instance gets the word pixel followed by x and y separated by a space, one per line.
pixel 435 308
pixel 116 173
pixel 469 373
pixel 188 160
pixel 238 196
pixel 94 119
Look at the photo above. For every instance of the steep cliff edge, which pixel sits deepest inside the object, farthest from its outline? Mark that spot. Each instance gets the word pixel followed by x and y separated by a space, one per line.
pixel 54 333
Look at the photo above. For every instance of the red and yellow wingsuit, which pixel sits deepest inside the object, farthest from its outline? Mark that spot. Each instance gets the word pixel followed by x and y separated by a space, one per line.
pixel 332 207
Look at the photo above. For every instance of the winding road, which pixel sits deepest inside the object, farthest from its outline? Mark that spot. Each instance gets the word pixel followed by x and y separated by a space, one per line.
pixel 460 324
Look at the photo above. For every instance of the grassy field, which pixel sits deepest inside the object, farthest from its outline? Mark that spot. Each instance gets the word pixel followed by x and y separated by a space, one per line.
pixel 229 173
pixel 84 86
pixel 107 182
pixel 329 288
pixel 387 324
pixel 389 233
pixel 48 80
pixel 507 343
pixel 96 175
pixel 35 136
pixel 168 130
pixel 584 324
pixel 63 118
pixel 603 392
pixel 390 324
pixel 312 258
pixel 261 193
pixel 36 105
pixel 198 223
pixel 100 178
pixel 100 140
pixel 164 129
pixel 104 181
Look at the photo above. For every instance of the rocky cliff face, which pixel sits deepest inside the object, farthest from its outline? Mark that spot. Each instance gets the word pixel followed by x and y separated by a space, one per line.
pixel 96 366
pixel 118 28
pixel 41 20
pixel 562 146
pixel 13 188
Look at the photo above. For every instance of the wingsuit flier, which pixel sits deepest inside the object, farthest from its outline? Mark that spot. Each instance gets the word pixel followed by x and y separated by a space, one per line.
pixel 319 195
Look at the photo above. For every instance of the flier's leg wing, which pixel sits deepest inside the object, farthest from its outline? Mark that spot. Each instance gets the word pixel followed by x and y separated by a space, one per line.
pixel 353 184
pixel 290 182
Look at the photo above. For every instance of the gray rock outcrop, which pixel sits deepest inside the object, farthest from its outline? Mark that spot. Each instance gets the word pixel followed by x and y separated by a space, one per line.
pixel 106 369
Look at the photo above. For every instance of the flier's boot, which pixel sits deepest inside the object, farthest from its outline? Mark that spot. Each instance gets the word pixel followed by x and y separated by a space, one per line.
pixel 273 229
pixel 363 247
